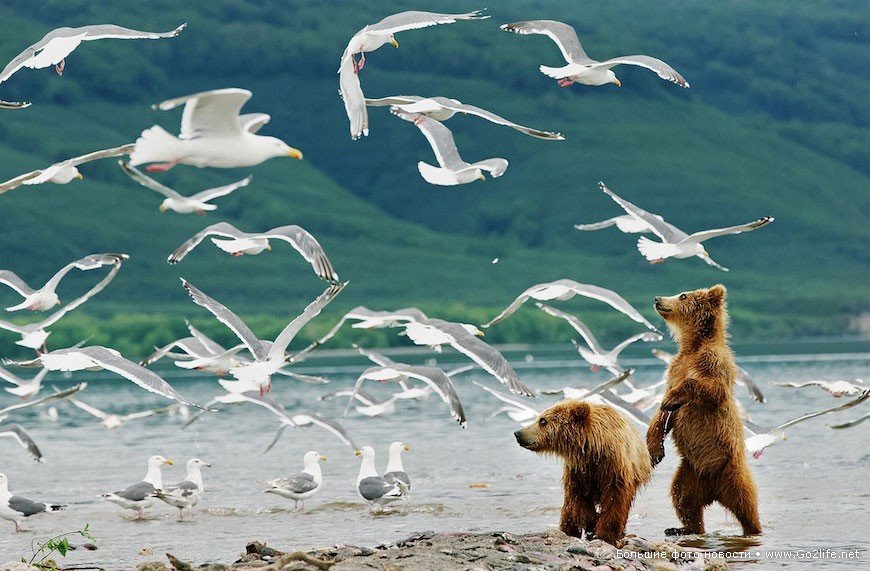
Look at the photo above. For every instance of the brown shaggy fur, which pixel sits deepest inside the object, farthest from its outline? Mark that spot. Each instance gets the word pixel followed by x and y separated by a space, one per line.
pixel 700 408
pixel 605 464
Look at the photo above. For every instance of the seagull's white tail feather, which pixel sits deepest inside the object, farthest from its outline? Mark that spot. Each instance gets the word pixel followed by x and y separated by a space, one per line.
pixel 155 145
pixel 653 250
pixel 436 175
pixel 560 72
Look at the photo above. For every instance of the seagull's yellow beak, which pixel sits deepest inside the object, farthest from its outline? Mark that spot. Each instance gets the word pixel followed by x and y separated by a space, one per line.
pixel 322 458
pixel 162 208
pixel 406 448
pixel 357 452
pixel 294 153
pixel 168 461
pixel 480 333
pixel 617 82
pixel 481 177
pixel 80 176
pixel 269 247
pixel 394 43
pixel 704 252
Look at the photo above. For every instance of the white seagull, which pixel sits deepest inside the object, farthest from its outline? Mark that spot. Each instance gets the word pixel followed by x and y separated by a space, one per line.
pixel 57 395
pixel 302 485
pixel 581 68
pixel 395 472
pixel 435 332
pixel 46 297
pixel 34 335
pixel 451 169
pixel 763 437
pixel 16 508
pixel 141 494
pixel 370 406
pixel 176 202
pixel 24 388
pixel 375 490
pixel 238 243
pixel 186 493
pixel 674 242
pixel 213 134
pixel 56 45
pixel 96 358
pixel 566 289
pixel 63 172
pixel 443 108
pixel 593 353
pixel 834 388
pixel 517 410
pixel 110 421
pixel 269 357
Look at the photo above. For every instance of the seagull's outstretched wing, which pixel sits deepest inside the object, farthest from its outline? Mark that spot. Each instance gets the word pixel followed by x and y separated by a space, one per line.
pixel 189 345
pixel 91 410
pixel 657 66
pixel 497 119
pixel 854 402
pixel 667 232
pixel 393 100
pixel 224 229
pixel 597 225
pixel 253 122
pixel 209 113
pixel 11 279
pixel 748 227
pixel 228 318
pixel 113 32
pixel 15 431
pixel 149 182
pixel 414 20
pixel 432 376
pixel 91 262
pixel 575 323
pixel 440 139
pixel 374 357
pixel 562 34
pixel 14 183
pixel 218 191
pixel 307 246
pixel 46 174
pixel 58 395
pixel 279 347
pixel 509 399
pixel 305 418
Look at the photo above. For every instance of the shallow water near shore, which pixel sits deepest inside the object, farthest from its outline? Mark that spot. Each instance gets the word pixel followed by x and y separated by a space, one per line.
pixel 814 487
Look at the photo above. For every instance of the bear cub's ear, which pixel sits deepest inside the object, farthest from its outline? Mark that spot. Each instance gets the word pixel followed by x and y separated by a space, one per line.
pixel 717 294
pixel 579 412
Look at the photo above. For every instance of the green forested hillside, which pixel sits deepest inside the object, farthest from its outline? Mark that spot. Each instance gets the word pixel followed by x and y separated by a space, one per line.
pixel 775 123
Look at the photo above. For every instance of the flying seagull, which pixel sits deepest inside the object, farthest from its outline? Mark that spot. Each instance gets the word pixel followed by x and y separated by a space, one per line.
pixel 565 289
pixel 516 409
pixel 56 45
pixel 743 378
pixel 373 36
pixel 375 490
pixel 199 202
pixel 850 423
pixel 763 437
pixel 302 485
pixel 409 392
pixel 16 508
pixel 435 332
pixel 24 388
pixel 432 376
pixel 369 405
pixel 57 395
pixel 593 353
pixel 14 104
pixel 109 420
pixel 186 493
pixel 63 172
pixel 213 134
pixel 238 243
pixel 46 297
pixel 34 335
pixel 395 472
pixel 24 440
pixel 269 357
pixel 452 170
pixel 443 108
pixel 676 243
pixel 834 388
pixel 581 68
pixel 141 494
pixel 97 358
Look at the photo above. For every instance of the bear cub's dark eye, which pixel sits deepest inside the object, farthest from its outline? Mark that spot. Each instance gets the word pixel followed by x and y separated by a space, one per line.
pixel 542 422
pixel 682 297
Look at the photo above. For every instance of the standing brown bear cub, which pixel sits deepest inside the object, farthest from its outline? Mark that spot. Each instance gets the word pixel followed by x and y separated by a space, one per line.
pixel 700 409
pixel 605 464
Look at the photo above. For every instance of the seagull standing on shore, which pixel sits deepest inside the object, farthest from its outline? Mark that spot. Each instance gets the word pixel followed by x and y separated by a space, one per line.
pixel 375 490
pixel 581 68
pixel 56 45
pixel 16 508
pixel 395 472
pixel 676 243
pixel 141 494
pixel 213 134
pixel 302 485
pixel 186 493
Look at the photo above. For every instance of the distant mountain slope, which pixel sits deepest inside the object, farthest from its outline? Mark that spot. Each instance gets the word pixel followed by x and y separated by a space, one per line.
pixel 774 124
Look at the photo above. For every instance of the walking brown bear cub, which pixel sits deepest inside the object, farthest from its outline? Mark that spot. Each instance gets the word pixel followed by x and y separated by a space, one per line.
pixel 605 464
pixel 700 411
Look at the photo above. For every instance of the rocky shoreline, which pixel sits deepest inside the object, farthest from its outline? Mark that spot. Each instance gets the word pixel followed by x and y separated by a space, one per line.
pixel 464 550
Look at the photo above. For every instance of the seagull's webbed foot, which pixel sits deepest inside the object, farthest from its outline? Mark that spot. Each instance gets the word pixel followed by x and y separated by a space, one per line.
pixel 594 368
pixel 201 212
pixel 757 454
pixel 160 167
pixel 657 261
pixel 362 60
pixel 237 254
pixel 565 82
pixel 58 68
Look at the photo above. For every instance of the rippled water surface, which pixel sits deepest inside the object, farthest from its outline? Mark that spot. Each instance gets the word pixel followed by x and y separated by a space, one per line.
pixel 814 488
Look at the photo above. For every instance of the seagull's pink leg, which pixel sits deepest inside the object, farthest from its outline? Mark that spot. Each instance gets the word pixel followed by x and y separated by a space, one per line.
pixel 237 254
pixel 59 67
pixel 17 527
pixel 160 167
pixel 201 212
pixel 362 60
pixel 757 454
pixel 565 82
pixel 657 261
pixel 594 368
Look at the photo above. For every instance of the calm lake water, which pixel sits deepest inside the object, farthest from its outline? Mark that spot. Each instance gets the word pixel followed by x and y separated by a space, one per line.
pixel 814 488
